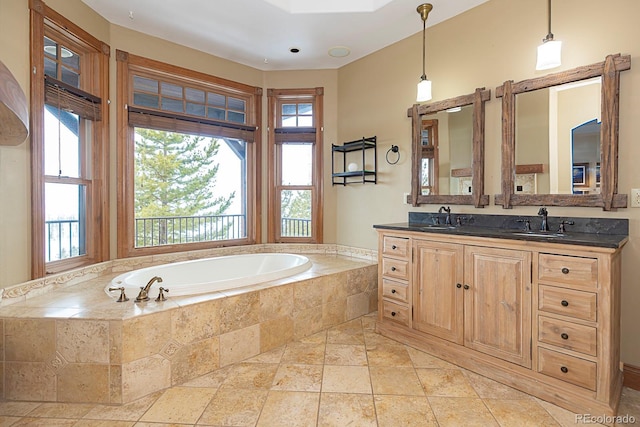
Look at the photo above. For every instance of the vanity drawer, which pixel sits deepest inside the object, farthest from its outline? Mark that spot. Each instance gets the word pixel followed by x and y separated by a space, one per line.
pixel 395 246
pixel 569 270
pixel 394 290
pixel 396 312
pixel 578 304
pixel 395 268
pixel 567 368
pixel 567 335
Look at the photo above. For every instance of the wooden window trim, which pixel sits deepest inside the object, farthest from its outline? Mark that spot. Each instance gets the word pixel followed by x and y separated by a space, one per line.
pixel 276 97
pixel 128 65
pixel 46 21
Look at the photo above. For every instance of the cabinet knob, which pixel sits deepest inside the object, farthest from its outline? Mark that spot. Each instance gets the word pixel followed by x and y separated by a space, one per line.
pixel 394 247
pixel 393 269
pixel 393 313
pixel 564 336
pixel 565 270
pixel 466 286
pixel 564 369
pixel 458 285
pixel 564 303
pixel 393 291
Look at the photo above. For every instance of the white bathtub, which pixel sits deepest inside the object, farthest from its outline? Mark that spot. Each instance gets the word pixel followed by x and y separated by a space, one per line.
pixel 211 274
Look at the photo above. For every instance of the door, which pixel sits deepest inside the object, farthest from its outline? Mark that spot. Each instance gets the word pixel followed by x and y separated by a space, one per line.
pixel 497 301
pixel 438 295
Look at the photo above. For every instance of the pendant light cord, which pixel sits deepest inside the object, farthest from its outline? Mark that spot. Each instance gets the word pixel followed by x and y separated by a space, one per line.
pixel 424 29
pixel 549 34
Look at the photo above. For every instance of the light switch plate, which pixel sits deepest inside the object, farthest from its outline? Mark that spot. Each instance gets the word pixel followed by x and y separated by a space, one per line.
pixel 404 198
pixel 635 197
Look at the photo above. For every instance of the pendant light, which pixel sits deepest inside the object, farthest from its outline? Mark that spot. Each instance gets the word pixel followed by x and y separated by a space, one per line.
pixel 424 87
pixel 549 52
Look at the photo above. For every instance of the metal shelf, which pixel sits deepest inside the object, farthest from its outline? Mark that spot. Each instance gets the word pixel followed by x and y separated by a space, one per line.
pixel 344 177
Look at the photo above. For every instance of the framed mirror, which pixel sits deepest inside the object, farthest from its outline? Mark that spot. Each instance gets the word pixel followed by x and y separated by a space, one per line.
pixel 560 138
pixel 447 154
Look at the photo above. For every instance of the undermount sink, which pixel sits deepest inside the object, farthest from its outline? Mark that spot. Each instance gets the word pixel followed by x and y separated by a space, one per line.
pixel 437 227
pixel 538 234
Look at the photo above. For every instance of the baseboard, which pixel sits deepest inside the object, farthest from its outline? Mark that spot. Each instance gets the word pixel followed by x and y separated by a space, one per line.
pixel 631 376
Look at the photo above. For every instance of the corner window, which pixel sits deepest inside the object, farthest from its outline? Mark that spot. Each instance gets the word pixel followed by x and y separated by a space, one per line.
pixel 187 161
pixel 295 169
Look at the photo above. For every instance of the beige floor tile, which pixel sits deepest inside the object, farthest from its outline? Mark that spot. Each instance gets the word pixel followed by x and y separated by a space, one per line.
pixel 304 353
pixel 562 416
pixel 524 413
pixel 368 323
pixel 129 412
pixel 346 379
pixel 290 408
pixel 445 382
pixel 8 421
pixel 318 338
pixel 18 409
pixel 44 422
pixel 388 355
pixel 271 356
pixel 398 381
pixel 421 359
pixel 406 411
pixel 234 407
pixel 345 354
pixel 211 380
pixel 339 409
pixel 372 339
pixel 103 423
pixel 250 376
pixel 487 388
pixel 293 377
pixel 61 410
pixel 456 412
pixel 179 405
pixel 630 404
pixel 346 333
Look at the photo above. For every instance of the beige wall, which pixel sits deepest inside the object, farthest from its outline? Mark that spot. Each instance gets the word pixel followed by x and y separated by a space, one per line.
pixel 376 91
pixel 371 97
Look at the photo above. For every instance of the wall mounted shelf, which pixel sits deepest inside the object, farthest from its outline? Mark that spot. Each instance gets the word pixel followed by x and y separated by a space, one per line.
pixel 359 148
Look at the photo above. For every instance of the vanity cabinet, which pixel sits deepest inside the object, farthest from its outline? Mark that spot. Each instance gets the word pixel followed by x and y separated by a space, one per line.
pixel 540 317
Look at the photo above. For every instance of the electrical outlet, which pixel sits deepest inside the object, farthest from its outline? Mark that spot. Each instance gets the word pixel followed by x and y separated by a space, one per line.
pixel 635 197
pixel 404 198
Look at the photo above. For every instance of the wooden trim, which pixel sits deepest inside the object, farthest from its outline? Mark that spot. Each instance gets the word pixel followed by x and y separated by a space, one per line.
pixel 532 168
pixel 608 198
pixel 480 96
pixel 416 155
pixel 631 376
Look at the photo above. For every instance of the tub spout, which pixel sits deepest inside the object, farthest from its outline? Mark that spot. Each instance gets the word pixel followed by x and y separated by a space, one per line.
pixel 144 292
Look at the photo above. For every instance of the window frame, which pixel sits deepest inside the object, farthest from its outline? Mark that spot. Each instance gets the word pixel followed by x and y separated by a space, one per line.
pixel 313 135
pixel 94 80
pixel 129 65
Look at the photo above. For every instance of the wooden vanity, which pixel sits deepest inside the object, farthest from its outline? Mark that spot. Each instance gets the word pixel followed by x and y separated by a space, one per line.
pixel 542 317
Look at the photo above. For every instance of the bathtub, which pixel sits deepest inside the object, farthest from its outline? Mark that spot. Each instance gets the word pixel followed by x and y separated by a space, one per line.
pixel 211 274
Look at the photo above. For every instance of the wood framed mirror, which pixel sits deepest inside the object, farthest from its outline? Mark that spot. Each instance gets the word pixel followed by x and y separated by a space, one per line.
pixel 447 153
pixel 560 138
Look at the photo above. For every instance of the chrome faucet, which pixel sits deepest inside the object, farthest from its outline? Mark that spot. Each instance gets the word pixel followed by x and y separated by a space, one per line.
pixel 144 292
pixel 544 226
pixel 447 219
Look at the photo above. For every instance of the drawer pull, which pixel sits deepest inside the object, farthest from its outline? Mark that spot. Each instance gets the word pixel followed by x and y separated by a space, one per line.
pixel 564 336
pixel 466 286
pixel 393 291
pixel 394 247
pixel 458 285
pixel 393 269
pixel 564 369
pixel 564 303
pixel 565 270
pixel 393 313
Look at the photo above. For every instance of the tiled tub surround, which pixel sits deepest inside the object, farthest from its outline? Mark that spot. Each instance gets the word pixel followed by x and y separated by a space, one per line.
pixel 72 343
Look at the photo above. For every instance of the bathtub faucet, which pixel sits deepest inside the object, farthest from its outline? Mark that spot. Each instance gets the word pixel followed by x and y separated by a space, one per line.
pixel 144 292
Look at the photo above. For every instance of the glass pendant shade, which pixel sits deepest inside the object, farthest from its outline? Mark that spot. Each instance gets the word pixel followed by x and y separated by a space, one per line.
pixel 424 91
pixel 549 54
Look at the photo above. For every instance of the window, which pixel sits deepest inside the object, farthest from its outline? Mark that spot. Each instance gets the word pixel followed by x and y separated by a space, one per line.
pixel 186 163
pixel 69 144
pixel 295 168
pixel 429 157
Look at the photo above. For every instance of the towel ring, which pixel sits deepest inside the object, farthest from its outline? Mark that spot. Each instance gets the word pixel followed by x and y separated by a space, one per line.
pixel 393 149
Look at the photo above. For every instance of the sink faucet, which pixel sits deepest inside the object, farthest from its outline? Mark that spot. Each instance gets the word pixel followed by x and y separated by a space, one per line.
pixel 447 219
pixel 144 292
pixel 544 226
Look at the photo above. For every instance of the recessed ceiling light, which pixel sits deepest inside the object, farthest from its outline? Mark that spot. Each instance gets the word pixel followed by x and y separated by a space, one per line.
pixel 454 109
pixel 294 50
pixel 64 52
pixel 339 51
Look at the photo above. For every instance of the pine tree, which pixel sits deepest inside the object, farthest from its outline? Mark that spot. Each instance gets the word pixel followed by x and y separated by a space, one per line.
pixel 175 175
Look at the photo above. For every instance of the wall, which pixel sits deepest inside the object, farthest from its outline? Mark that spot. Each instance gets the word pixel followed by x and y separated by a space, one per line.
pixel 376 91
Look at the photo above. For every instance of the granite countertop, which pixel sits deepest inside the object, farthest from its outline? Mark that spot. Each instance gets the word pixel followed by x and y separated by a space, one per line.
pixel 597 232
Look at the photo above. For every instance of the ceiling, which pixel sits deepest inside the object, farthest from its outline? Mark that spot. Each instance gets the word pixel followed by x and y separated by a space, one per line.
pixel 260 33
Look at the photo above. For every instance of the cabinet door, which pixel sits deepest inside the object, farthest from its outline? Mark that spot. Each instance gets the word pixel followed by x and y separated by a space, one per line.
pixel 498 303
pixel 437 299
